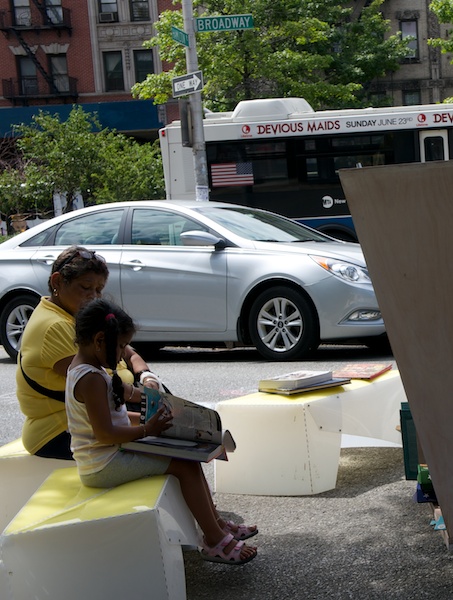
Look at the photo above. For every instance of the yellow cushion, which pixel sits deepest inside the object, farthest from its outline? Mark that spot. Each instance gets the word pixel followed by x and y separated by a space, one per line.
pixel 62 498
pixel 13 449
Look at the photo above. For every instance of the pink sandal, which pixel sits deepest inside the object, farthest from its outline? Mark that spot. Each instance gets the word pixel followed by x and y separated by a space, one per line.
pixel 217 553
pixel 242 532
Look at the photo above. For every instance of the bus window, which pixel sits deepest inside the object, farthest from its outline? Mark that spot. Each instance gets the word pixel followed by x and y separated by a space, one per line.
pixel 433 146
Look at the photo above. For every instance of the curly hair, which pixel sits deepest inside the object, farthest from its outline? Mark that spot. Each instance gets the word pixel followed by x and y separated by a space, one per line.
pixel 76 261
pixel 102 315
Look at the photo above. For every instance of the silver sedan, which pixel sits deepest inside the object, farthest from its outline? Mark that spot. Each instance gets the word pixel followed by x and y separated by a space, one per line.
pixel 203 273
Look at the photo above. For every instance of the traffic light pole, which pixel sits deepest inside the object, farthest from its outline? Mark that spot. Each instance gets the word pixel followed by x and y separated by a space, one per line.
pixel 198 145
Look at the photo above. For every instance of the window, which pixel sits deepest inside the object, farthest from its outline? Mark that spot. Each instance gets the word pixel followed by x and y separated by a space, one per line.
pixel 139 10
pixel 108 6
pixel 411 97
pixel 409 29
pixel 108 11
pixel 54 11
pixel 160 228
pixel 434 148
pixel 59 72
pixel 143 64
pixel 113 71
pixel 27 76
pixel 99 228
pixel 22 14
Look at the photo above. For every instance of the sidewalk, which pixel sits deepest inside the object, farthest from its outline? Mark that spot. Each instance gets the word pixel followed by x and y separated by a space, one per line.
pixel 364 540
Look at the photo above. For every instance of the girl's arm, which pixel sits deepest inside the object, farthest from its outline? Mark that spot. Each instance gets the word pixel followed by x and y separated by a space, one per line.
pixel 92 390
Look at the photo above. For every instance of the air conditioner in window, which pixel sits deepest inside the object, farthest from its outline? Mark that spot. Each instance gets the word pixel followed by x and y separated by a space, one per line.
pixel 108 17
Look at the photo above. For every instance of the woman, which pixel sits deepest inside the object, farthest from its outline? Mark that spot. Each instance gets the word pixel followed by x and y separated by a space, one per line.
pixel 47 348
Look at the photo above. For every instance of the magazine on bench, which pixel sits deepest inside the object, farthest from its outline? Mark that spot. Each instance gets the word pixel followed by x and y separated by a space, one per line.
pixel 363 370
pixel 196 432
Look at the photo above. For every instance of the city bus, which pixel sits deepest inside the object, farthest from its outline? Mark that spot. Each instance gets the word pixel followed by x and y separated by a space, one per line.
pixel 281 155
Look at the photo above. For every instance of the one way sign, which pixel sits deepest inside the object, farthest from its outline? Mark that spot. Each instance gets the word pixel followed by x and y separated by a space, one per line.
pixel 187 84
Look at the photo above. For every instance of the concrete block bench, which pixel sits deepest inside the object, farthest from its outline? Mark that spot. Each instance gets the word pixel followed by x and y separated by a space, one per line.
pixel 70 541
pixel 290 445
pixel 21 475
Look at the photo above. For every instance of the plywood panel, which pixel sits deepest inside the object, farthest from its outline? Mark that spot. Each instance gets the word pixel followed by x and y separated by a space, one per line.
pixel 404 219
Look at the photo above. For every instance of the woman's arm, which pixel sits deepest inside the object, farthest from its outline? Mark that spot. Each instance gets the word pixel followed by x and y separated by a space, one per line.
pixel 61 367
pixel 134 361
pixel 137 365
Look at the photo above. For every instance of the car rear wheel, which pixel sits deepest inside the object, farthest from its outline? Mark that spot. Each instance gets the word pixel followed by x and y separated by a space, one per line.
pixel 13 319
pixel 283 325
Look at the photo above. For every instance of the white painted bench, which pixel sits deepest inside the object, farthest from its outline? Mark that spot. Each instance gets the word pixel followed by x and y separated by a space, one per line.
pixel 70 541
pixel 290 445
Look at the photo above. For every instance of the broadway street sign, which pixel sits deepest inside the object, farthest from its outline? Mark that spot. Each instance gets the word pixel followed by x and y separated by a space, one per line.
pixel 187 84
pixel 224 23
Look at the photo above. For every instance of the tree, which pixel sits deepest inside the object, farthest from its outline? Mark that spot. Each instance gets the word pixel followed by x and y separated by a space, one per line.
pixel 320 50
pixel 443 9
pixel 73 156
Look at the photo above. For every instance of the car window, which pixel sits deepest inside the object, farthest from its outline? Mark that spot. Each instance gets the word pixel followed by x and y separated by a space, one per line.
pixel 258 225
pixel 93 228
pixel 155 227
pixel 39 239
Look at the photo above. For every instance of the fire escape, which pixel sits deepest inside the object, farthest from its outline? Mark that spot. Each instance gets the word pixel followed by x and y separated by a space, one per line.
pixel 19 23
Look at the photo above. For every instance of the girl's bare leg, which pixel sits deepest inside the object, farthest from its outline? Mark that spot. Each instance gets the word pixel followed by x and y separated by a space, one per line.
pixel 198 497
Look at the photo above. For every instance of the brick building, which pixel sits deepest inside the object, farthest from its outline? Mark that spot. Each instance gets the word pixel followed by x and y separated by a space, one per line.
pixel 426 76
pixel 59 52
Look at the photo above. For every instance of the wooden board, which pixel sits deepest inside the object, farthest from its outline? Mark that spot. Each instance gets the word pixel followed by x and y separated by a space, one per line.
pixel 404 219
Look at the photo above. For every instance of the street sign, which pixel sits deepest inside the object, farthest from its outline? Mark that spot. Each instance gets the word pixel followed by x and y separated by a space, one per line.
pixel 187 84
pixel 224 23
pixel 180 36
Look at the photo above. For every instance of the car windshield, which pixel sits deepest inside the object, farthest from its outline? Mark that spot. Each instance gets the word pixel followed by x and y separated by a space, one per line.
pixel 261 226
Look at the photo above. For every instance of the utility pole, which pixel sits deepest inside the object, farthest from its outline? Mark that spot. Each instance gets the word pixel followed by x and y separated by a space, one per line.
pixel 198 146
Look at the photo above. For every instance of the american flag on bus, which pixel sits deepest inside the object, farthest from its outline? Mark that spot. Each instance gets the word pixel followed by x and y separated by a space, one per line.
pixel 229 174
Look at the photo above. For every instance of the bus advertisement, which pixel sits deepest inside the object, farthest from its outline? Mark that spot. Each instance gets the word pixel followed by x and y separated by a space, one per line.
pixel 281 155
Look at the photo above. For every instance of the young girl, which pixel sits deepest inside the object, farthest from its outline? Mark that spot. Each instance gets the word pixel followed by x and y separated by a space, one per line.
pixel 99 423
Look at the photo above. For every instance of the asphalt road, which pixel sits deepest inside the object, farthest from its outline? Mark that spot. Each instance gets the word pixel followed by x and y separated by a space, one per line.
pixel 364 540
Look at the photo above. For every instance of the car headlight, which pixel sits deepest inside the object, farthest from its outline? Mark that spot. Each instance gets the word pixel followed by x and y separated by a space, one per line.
pixel 344 270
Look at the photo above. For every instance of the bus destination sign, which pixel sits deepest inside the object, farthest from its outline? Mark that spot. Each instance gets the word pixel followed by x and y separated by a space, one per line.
pixel 224 23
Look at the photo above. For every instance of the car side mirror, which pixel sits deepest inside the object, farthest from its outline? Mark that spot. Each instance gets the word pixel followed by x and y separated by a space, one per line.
pixel 202 238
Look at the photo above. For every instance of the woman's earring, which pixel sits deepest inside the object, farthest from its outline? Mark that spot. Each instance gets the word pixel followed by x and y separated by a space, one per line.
pixel 55 292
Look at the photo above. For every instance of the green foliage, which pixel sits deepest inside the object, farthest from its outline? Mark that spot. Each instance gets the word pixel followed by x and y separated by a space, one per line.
pixel 443 9
pixel 318 50
pixel 76 155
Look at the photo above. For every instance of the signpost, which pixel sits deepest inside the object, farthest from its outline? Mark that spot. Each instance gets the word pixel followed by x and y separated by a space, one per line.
pixel 224 23
pixel 179 36
pixel 187 84
pixel 192 83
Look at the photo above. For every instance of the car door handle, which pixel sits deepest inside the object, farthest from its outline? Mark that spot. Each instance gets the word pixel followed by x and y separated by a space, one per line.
pixel 136 265
pixel 47 260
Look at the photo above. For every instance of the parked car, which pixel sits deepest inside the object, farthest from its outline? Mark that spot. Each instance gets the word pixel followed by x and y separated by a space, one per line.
pixel 203 273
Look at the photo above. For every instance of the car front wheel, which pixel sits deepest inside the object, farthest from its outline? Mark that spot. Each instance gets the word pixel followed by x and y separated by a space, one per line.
pixel 13 319
pixel 283 325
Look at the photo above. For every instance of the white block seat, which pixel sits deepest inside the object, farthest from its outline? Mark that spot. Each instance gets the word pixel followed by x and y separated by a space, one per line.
pixel 290 445
pixel 21 475
pixel 70 541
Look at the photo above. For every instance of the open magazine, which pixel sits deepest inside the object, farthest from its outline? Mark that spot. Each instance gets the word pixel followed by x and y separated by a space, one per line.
pixel 196 432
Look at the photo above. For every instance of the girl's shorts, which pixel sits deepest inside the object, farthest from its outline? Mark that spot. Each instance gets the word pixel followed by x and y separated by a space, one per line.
pixel 127 466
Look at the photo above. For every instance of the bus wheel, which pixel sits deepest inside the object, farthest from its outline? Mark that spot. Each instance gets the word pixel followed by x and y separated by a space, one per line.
pixel 283 325
pixel 13 319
